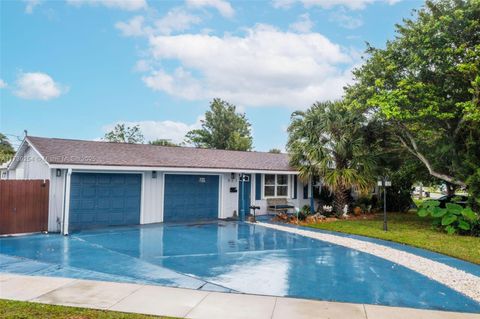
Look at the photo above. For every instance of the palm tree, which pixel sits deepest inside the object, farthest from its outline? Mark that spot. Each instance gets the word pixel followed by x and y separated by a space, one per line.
pixel 6 149
pixel 327 141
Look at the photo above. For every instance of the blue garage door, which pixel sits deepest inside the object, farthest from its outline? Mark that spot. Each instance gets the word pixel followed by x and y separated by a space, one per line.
pixel 190 197
pixel 104 200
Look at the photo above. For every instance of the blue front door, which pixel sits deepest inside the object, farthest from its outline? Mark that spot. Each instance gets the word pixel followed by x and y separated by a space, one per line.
pixel 101 199
pixel 244 191
pixel 190 197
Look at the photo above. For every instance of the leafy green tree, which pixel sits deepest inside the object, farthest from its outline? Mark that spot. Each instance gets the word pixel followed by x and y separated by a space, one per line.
pixel 222 128
pixel 162 142
pixel 426 84
pixel 6 149
pixel 275 151
pixel 328 141
pixel 125 134
pixel 394 162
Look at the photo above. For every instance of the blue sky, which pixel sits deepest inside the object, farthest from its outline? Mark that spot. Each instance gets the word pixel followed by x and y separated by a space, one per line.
pixel 73 69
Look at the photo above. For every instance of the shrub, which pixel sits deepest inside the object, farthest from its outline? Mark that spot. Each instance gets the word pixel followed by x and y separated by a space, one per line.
pixel 364 203
pixel 304 212
pixel 453 218
pixel 357 211
pixel 325 197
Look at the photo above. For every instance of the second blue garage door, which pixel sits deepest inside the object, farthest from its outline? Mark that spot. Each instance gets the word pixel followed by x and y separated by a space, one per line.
pixel 190 197
pixel 99 199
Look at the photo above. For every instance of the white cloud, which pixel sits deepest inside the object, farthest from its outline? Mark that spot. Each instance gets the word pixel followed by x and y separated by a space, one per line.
pixel 265 67
pixel 3 84
pixel 142 66
pixel 127 5
pixel 170 130
pixel 224 7
pixel 283 4
pixel 345 20
pixel 179 83
pixel 303 24
pixel 37 86
pixel 175 20
pixel 30 5
pixel 133 28
pixel 328 4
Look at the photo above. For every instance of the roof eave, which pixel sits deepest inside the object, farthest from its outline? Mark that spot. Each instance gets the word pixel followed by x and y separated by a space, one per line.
pixel 83 167
pixel 21 150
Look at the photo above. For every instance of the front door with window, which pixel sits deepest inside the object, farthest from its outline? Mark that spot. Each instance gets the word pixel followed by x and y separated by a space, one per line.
pixel 244 196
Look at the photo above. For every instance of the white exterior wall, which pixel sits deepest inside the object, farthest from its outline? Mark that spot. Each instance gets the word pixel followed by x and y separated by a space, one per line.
pixel 300 201
pixel 152 198
pixel 56 200
pixel 229 201
pixel 31 166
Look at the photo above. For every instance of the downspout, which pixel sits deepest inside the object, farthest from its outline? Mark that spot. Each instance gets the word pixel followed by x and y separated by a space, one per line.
pixel 66 208
pixel 242 200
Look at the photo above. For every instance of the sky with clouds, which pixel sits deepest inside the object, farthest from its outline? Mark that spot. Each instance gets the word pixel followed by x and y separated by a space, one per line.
pixel 73 69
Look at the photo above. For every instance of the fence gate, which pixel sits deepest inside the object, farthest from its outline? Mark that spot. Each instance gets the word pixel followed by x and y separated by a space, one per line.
pixel 23 206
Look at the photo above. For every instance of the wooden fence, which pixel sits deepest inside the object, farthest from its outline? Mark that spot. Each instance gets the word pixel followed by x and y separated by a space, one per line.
pixel 23 206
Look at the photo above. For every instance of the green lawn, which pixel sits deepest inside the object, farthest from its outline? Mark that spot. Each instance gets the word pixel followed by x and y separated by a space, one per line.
pixel 26 310
pixel 408 228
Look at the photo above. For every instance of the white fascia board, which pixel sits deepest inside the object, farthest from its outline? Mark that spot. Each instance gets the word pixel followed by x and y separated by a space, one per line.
pixel 164 169
pixel 39 154
pixel 21 149
pixel 13 163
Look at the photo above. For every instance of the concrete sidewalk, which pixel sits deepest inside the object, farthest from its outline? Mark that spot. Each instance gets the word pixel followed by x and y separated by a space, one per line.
pixel 187 303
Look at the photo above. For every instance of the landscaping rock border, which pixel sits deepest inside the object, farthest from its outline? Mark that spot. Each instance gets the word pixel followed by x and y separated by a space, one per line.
pixel 459 280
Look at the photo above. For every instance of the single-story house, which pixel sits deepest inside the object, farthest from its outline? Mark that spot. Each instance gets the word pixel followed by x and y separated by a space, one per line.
pixel 101 183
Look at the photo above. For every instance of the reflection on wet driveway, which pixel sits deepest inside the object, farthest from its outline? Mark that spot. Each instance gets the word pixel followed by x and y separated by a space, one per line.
pixel 228 256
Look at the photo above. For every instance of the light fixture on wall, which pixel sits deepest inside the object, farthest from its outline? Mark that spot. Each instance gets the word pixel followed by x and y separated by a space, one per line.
pixel 59 172
pixel 232 176
pixel 154 174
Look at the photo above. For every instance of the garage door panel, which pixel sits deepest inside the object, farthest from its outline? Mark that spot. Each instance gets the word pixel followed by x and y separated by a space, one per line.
pixel 104 199
pixel 130 203
pixel 103 191
pixel 88 192
pixel 87 179
pixel 191 197
pixel 86 218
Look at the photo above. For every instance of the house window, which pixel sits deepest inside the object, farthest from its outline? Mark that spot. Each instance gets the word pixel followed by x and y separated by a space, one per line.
pixel 275 185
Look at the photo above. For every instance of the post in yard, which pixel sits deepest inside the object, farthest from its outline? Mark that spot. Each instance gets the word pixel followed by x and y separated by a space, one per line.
pixel 385 228
pixel 384 182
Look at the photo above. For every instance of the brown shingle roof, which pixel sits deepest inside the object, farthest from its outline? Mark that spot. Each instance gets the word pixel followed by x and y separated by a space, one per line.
pixel 78 152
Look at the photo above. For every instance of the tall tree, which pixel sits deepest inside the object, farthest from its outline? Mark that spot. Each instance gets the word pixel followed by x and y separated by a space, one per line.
pixel 222 128
pixel 6 149
pixel 426 84
pixel 125 134
pixel 328 141
pixel 163 142
pixel 275 151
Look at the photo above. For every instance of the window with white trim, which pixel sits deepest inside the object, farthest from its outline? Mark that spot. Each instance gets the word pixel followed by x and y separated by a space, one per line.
pixel 275 185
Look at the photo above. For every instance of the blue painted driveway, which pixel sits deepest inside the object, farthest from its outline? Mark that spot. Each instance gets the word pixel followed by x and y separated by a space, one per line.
pixel 228 256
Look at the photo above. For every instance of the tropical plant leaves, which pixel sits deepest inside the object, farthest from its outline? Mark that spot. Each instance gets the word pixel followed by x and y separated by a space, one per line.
pixel 462 224
pixel 438 212
pixel 448 219
pixel 431 203
pixel 452 218
pixel 454 208
pixel 422 212
pixel 469 214
pixel 450 230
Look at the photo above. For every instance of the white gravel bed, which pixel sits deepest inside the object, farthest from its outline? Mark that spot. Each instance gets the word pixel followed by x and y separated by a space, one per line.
pixel 459 280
